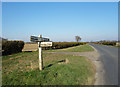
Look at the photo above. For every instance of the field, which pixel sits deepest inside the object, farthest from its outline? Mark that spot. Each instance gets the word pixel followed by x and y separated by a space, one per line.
pixel 30 47
pixel 59 69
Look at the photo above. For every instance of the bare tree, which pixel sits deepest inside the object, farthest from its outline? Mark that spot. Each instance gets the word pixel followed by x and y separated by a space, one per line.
pixel 77 38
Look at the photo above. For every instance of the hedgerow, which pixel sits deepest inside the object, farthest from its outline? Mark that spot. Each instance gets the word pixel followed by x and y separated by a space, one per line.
pixel 60 45
pixel 112 43
pixel 10 47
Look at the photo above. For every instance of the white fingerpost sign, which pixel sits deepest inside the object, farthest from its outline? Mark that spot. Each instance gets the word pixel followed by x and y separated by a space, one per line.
pixel 42 42
pixel 46 44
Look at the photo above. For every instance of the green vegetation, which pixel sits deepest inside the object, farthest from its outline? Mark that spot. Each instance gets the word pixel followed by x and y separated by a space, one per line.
pixel 109 43
pixel 104 42
pixel 61 45
pixel 80 48
pixel 59 69
pixel 118 46
pixel 11 47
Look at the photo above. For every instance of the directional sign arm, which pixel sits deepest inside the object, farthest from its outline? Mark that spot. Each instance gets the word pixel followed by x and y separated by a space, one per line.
pixel 33 38
pixel 45 39
pixel 39 39
pixel 46 44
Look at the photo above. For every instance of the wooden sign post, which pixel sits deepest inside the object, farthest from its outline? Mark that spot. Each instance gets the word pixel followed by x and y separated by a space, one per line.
pixel 41 43
pixel 40 55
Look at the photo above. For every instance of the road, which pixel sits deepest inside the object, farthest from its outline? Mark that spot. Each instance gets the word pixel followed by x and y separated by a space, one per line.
pixel 109 58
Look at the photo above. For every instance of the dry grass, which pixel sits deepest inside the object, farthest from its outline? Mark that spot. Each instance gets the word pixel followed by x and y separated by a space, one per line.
pixel 30 47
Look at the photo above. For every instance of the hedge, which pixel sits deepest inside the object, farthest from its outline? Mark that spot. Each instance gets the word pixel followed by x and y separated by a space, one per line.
pixel 112 43
pixel 60 45
pixel 10 47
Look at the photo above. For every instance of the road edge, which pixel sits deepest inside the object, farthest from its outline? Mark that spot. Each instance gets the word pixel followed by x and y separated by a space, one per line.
pixel 100 72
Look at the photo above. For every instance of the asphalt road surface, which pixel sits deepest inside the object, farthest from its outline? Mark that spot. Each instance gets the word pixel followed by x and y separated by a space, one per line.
pixel 109 58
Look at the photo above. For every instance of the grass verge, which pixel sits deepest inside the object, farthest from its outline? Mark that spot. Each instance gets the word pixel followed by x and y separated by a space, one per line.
pixel 118 46
pixel 80 48
pixel 59 69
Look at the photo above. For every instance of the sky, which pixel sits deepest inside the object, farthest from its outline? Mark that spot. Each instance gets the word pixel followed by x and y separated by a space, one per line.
pixel 60 21
pixel 60 0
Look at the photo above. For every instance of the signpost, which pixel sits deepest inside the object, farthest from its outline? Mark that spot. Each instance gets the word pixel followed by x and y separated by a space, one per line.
pixel 42 42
